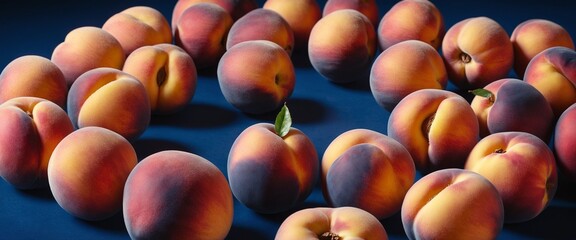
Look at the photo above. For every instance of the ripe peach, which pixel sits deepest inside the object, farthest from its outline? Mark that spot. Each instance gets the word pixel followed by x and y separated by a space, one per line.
pixel 523 169
pixel 33 76
pixel 368 170
pixel 167 72
pixel 477 51
pixel 452 204
pixel 87 172
pixel 86 48
pixel 30 129
pixel 366 7
pixel 109 98
pixel 564 140
pixel 438 127
pixel 411 20
pixel 138 26
pixel 331 223
pixel 534 36
pixel 256 76
pixel 404 68
pixel 262 24
pixel 201 31
pixel 177 195
pixel 235 8
pixel 342 59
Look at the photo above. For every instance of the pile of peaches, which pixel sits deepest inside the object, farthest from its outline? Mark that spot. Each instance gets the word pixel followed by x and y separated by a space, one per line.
pixel 67 122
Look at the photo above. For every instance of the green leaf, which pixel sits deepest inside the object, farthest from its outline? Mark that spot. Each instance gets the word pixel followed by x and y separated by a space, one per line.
pixel 283 121
pixel 483 93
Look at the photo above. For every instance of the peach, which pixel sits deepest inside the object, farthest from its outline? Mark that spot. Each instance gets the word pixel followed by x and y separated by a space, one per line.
pixel 534 36
pixel 86 48
pixel 33 76
pixel 167 72
pixel 87 172
pixel 342 46
pixel 201 31
pixel 30 129
pixel 177 195
pixel 452 204
pixel 341 223
pixel 523 169
pixel 256 76
pixel 553 73
pixel 112 99
pixel 235 8
pixel 511 105
pixel 477 51
pixel 262 24
pixel 138 26
pixel 564 140
pixel 366 7
pixel 438 127
pixel 366 169
pixel 411 20
pixel 404 68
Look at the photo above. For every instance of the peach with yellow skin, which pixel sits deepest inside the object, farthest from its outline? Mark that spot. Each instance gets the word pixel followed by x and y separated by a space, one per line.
pixel 523 169
pixel 30 129
pixel 442 204
pixel 167 72
pixel 343 223
pixel 366 7
pixel 564 140
pixel 366 169
pixel 236 8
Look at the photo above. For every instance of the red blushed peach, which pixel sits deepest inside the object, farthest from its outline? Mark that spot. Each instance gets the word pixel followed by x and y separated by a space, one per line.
pixel 553 73
pixel 404 68
pixel 262 24
pixel 167 72
pixel 366 7
pixel 86 48
pixel 564 142
pixel 477 51
pixel 512 106
pixel 87 172
pixel 452 204
pixel 33 76
pixel 343 223
pixel 112 99
pixel 256 76
pixel 534 36
pixel 523 169
pixel 235 8
pixel 138 26
pixel 30 129
pixel 438 127
pixel 368 170
pixel 342 59
pixel 411 20
pixel 269 173
pixel 201 31
pixel 177 195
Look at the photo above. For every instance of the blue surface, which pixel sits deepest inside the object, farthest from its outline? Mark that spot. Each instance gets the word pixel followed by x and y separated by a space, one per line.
pixel 209 125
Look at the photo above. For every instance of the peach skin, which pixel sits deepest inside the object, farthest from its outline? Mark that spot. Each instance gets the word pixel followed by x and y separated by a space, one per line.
pixel 366 7
pixel 235 8
pixel 564 140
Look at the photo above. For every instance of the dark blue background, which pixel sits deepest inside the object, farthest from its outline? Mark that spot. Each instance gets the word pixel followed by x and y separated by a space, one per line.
pixel 209 125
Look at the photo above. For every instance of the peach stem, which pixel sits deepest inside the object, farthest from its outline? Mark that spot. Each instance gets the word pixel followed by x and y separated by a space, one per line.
pixel 465 57
pixel 329 236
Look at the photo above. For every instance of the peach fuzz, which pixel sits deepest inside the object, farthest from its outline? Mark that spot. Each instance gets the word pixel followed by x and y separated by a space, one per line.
pixel 235 8
pixel 438 127
pixel 33 76
pixel 452 204
pixel 342 46
pixel 366 7
pixel 177 195
pixel 30 129
pixel 167 72
pixel 411 20
pixel 86 48
pixel 404 68
pixel 201 31
pixel 112 99
pixel 534 36
pixel 138 26
pixel 343 223
pixel 366 169
pixel 523 169
pixel 553 73
pixel 477 51
pixel 87 172
pixel 262 24
pixel 564 141
pixel 269 173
